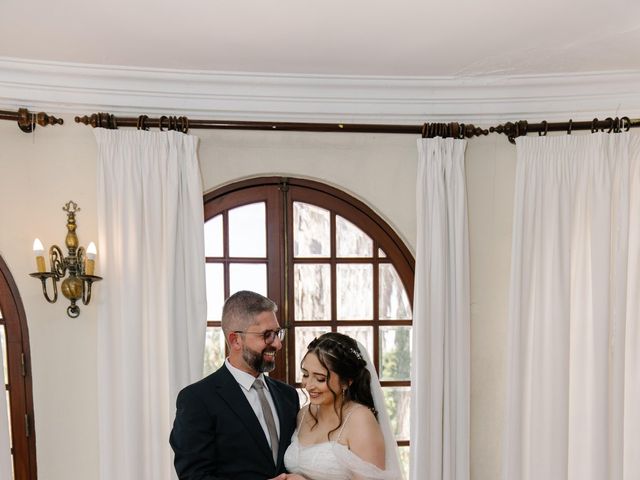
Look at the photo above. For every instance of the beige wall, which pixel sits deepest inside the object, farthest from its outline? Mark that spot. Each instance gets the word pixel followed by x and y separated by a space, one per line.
pixel 38 174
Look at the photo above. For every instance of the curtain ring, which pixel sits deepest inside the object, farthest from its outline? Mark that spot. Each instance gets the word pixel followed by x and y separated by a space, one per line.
pixel 462 129
pixel 546 129
pixel 570 127
pixel 610 120
pixel 514 133
pixel 425 126
pixel 142 122
pixel 161 121
pixel 594 129
pixel 626 123
pixel 615 125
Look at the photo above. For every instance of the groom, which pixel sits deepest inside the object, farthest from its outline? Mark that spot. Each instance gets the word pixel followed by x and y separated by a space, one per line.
pixel 237 423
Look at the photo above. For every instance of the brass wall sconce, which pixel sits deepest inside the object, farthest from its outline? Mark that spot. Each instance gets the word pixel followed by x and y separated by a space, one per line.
pixel 78 264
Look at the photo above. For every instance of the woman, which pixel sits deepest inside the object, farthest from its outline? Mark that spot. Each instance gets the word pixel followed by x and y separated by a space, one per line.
pixel 344 431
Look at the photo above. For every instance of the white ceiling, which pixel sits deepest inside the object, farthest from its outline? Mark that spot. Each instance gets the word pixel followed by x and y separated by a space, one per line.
pixel 447 41
pixel 346 37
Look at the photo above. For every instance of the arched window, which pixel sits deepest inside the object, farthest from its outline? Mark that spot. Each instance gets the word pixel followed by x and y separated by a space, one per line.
pixel 17 377
pixel 329 262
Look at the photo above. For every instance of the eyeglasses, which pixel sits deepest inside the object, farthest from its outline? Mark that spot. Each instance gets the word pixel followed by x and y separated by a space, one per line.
pixel 268 336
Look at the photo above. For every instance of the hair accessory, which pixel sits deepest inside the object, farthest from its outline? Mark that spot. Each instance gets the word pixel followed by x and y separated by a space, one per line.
pixel 356 353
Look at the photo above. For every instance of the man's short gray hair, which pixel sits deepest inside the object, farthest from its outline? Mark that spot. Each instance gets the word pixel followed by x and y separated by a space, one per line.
pixel 241 308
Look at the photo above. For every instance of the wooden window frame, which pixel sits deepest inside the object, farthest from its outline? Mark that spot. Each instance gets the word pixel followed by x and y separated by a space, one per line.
pixel 20 381
pixel 281 248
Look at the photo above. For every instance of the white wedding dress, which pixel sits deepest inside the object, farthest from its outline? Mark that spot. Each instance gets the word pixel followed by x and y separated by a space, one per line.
pixel 331 460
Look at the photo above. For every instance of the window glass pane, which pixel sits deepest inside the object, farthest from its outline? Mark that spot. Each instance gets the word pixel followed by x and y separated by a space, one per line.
pixel 248 276
pixel 312 291
pixel 403 453
pixel 381 253
pixel 311 231
pixel 213 350
pixel 398 400
pixel 364 335
pixel 213 235
pixel 248 231
pixel 394 303
pixel 3 347
pixel 214 275
pixel 351 241
pixel 304 336
pixel 354 287
pixel 9 418
pixel 395 353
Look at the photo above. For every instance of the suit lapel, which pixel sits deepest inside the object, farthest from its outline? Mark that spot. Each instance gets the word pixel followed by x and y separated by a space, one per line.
pixel 229 390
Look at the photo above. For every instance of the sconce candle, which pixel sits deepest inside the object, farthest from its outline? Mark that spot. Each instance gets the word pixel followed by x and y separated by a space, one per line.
pixel 38 249
pixel 73 271
pixel 90 263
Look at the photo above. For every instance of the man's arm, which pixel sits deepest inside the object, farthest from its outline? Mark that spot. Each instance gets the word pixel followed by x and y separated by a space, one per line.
pixel 193 439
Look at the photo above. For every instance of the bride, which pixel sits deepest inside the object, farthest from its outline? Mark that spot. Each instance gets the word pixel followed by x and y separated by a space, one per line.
pixel 344 432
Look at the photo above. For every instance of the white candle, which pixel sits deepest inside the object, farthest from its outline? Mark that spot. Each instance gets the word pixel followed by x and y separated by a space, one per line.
pixel 38 249
pixel 89 264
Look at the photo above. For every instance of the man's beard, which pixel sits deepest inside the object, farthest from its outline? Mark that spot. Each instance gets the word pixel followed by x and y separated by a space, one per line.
pixel 256 360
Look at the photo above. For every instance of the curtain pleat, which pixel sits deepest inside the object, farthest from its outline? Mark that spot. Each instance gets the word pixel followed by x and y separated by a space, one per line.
pixel 440 369
pixel 152 307
pixel 572 387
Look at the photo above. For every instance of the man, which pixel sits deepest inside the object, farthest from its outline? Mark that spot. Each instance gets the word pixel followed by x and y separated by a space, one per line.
pixel 226 427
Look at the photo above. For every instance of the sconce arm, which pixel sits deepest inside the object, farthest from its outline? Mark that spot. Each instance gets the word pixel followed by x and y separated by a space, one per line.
pixel 87 282
pixel 43 276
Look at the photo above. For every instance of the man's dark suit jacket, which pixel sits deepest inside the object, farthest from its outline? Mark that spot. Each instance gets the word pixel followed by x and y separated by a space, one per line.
pixel 216 434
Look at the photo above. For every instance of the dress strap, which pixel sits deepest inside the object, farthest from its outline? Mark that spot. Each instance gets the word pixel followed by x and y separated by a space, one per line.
pixel 344 423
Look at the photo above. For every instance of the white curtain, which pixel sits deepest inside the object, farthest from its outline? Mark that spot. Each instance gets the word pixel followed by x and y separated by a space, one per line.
pixel 5 445
pixel 441 312
pixel 573 389
pixel 152 304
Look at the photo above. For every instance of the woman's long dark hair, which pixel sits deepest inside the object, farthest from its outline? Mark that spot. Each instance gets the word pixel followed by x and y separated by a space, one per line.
pixel 339 353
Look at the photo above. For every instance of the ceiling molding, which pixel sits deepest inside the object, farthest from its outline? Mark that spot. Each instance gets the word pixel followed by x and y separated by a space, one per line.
pixel 83 89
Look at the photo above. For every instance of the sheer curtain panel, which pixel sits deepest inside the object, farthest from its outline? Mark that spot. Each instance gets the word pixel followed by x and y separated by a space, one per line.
pixel 441 344
pixel 5 444
pixel 152 303
pixel 573 390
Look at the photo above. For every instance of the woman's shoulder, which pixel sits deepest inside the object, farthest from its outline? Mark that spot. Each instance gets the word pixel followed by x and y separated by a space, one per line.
pixel 359 413
pixel 363 436
pixel 360 422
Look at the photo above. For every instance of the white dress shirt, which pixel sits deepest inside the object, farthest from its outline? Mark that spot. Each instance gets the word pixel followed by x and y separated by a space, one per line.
pixel 245 380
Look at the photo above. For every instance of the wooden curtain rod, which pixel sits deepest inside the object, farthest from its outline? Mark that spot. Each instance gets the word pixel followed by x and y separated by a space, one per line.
pixel 27 121
pixel 183 124
pixel 428 130
pixel 610 125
